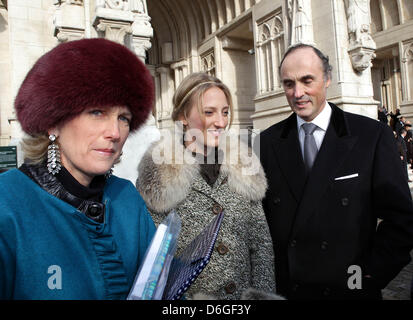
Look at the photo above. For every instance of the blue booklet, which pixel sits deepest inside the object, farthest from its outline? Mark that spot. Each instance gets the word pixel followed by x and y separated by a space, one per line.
pixel 151 278
pixel 186 267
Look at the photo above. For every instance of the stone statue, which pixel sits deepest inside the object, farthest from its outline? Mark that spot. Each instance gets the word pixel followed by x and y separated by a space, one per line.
pixel 290 9
pixel 299 13
pixel 137 6
pixel 358 22
pixel 112 4
pixel 361 44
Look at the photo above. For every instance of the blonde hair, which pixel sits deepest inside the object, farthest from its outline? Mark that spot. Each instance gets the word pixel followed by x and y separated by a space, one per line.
pixel 35 148
pixel 192 89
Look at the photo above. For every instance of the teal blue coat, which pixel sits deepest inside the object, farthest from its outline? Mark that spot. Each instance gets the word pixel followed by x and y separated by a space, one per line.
pixel 49 250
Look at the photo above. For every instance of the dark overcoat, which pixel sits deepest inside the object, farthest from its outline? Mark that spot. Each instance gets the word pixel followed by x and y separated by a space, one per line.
pixel 325 223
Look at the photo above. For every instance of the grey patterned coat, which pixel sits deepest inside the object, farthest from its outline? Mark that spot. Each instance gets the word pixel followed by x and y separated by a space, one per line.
pixel 243 255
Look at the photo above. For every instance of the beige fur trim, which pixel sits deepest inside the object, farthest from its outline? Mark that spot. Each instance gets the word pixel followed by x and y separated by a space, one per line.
pixel 164 185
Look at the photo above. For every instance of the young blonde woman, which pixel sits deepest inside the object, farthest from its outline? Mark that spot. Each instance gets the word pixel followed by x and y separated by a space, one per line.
pixel 198 180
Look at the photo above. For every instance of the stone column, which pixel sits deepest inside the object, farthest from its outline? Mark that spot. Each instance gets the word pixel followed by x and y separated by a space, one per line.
pixel 69 20
pixel 177 78
pixel 125 22
pixel 179 70
pixel 165 105
pixel 258 67
pixel 142 30
pixel 275 62
pixel 113 21
pixel 406 65
pixel 140 46
pixel 351 55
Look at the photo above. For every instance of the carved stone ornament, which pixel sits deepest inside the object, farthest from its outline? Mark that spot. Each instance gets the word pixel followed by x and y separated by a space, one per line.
pixel 65 26
pixel 408 54
pixel 361 43
pixel 125 22
pixel 64 35
pixel 141 25
pixel 137 6
pixel 3 4
pixel 113 4
pixel 114 30
pixel 361 58
pixel 74 2
pixel 140 47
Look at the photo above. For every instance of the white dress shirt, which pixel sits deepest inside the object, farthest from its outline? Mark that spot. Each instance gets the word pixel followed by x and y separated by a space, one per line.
pixel 321 121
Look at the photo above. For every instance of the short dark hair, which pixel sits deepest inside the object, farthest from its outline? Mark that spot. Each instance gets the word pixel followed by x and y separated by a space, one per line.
pixel 327 68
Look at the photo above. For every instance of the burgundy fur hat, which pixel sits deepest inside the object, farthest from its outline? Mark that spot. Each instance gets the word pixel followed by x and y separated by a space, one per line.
pixel 80 74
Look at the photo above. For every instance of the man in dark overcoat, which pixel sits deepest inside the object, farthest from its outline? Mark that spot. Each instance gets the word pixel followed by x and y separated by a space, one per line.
pixel 338 205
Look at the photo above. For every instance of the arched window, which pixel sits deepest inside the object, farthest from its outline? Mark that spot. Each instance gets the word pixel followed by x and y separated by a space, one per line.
pixel 270 50
pixel 208 63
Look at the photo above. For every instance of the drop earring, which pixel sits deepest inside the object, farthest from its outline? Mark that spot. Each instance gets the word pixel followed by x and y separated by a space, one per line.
pixel 109 173
pixel 53 156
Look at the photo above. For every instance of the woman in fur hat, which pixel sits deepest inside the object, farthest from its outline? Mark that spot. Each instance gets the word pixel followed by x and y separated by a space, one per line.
pixel 68 229
pixel 197 176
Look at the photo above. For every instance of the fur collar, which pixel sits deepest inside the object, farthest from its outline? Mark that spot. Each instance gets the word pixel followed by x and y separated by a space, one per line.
pixel 167 171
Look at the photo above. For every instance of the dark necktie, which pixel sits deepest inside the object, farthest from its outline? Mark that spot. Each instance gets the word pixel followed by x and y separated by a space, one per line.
pixel 310 147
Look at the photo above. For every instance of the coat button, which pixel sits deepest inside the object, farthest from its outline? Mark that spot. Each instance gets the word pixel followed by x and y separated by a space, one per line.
pixel 293 243
pixel 324 245
pixel 344 202
pixel 230 288
pixel 216 208
pixel 326 292
pixel 276 200
pixel 294 288
pixel 95 209
pixel 222 249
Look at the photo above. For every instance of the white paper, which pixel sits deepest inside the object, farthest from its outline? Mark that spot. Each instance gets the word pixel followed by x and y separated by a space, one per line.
pixel 137 290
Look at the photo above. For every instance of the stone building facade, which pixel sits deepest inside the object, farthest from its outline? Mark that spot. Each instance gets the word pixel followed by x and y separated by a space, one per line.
pixel 369 42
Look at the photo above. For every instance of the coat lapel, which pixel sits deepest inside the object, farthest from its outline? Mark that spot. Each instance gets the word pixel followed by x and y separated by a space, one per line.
pixel 287 151
pixel 336 147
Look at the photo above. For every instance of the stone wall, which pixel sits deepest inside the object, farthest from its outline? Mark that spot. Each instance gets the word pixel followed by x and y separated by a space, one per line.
pixel 240 41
